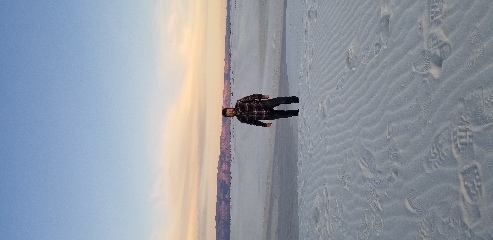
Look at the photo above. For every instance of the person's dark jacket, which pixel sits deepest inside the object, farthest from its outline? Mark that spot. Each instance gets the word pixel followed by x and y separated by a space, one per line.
pixel 250 110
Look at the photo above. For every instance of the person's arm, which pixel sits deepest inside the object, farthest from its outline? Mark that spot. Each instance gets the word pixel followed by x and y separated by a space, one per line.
pixel 259 123
pixel 254 122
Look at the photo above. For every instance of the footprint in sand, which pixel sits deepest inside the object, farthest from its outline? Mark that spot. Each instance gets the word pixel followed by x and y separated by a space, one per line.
pixel 440 154
pixel 366 161
pixel 385 29
pixel 376 48
pixel 440 224
pixel 477 48
pixel 351 58
pixel 471 187
pixel 435 11
pixel 338 228
pixel 479 106
pixel 373 223
pixel 311 18
pixel 312 13
pixel 422 63
pixel 327 215
pixel 309 22
pixel 384 25
pixel 431 60
pixel 344 177
pixel 427 227
pixel 373 200
pixel 394 162
pixel 462 143
pixel 437 49
pixel 412 204
pixel 471 184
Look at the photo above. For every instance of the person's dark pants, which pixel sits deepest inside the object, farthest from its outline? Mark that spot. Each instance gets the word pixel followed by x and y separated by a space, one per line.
pixel 274 102
pixel 276 114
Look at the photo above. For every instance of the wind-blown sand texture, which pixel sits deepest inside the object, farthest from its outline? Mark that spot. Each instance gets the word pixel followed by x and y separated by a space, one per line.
pixel 256 41
pixel 396 129
pixel 395 133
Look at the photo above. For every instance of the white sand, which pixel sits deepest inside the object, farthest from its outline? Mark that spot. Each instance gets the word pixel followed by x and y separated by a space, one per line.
pixel 255 64
pixel 395 136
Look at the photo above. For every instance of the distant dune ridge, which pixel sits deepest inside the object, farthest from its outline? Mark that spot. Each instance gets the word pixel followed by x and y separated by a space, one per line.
pixel 223 215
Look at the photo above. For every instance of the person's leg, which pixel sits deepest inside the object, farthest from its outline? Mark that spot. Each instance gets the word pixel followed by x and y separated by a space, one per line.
pixel 276 114
pixel 274 102
pixel 295 99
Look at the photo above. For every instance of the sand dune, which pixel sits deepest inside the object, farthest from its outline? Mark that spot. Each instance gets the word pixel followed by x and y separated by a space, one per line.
pixel 395 118
pixel 396 125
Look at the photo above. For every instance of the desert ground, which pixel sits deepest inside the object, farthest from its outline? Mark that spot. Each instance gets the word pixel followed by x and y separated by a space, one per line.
pixel 395 134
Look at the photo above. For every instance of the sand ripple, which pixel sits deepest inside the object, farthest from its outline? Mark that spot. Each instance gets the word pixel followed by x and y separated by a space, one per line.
pixel 397 118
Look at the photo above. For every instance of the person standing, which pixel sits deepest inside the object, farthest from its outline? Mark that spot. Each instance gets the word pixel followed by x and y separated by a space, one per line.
pixel 256 107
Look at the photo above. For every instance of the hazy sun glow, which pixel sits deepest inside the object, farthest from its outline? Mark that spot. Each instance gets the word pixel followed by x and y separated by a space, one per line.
pixel 190 65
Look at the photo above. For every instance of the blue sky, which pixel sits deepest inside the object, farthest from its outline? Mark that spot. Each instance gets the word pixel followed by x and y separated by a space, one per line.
pixel 79 107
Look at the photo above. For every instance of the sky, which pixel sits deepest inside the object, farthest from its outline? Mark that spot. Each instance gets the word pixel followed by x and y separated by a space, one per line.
pixel 93 95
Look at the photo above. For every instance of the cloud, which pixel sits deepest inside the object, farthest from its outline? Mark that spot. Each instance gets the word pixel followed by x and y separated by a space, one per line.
pixel 181 34
pixel 184 146
pixel 190 68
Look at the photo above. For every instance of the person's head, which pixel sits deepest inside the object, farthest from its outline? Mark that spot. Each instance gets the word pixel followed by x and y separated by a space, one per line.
pixel 229 112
